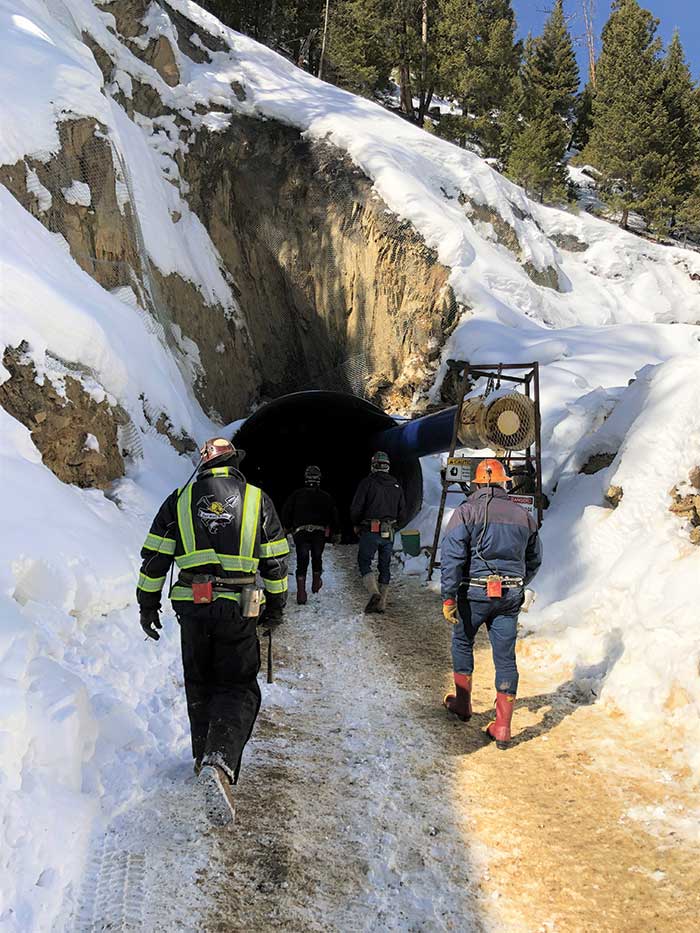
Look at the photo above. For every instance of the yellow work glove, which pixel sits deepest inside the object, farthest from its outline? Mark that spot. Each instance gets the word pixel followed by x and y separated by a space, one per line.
pixel 449 610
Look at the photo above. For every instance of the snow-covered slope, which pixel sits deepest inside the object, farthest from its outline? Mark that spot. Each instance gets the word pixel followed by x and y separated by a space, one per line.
pixel 619 596
pixel 84 723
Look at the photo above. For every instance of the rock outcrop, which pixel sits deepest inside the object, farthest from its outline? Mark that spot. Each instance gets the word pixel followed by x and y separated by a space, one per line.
pixel 686 504
pixel 324 273
pixel 77 436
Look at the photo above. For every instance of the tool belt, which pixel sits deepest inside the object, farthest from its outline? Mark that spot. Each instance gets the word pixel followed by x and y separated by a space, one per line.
pixel 309 528
pixel 206 585
pixel 494 584
pixel 505 581
pixel 381 526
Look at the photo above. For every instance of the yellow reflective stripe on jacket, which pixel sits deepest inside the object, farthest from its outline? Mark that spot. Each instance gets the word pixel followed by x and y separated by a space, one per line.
pixel 185 593
pixel 274 548
pixel 161 545
pixel 237 562
pixel 276 586
pixel 197 558
pixel 250 520
pixel 150 584
pixel 210 556
pixel 185 521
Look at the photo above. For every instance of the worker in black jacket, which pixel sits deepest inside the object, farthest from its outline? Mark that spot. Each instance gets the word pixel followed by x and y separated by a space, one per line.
pixel 310 514
pixel 378 509
pixel 220 531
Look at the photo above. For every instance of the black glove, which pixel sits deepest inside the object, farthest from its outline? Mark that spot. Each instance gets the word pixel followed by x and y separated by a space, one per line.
pixel 150 621
pixel 271 617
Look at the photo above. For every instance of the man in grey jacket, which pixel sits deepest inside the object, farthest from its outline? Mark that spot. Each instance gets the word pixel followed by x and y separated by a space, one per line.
pixel 490 552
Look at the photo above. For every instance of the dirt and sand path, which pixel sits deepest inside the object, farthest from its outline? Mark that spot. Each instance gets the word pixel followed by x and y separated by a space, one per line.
pixel 363 807
pixel 537 837
pixel 554 809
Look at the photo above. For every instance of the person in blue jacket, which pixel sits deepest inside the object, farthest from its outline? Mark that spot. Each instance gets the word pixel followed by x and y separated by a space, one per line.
pixel 490 552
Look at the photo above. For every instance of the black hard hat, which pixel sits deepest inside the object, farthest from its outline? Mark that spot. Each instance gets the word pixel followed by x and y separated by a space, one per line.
pixel 312 476
pixel 380 462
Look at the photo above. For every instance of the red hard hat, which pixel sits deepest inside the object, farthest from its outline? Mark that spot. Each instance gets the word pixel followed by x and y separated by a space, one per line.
pixel 216 447
pixel 490 471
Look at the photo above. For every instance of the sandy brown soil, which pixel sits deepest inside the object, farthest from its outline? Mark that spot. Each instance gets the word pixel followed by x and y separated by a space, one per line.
pixel 553 808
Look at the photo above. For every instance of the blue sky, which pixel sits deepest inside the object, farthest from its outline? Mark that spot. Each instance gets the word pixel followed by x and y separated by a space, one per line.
pixel 681 14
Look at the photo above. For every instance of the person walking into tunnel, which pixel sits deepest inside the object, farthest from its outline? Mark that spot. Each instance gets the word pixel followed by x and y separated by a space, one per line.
pixel 311 516
pixel 220 531
pixel 490 552
pixel 377 510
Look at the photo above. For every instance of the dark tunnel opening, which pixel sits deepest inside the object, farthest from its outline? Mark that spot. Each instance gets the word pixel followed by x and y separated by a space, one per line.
pixel 333 430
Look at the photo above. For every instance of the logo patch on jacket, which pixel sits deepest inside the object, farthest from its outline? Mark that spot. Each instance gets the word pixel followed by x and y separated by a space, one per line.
pixel 216 515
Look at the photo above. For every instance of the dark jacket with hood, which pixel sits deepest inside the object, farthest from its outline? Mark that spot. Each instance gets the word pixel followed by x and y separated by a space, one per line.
pixel 379 496
pixel 310 506
pixel 219 525
pixel 507 544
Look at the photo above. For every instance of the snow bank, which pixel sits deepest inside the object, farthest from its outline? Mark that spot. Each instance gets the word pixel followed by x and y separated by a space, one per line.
pixel 619 593
pixel 45 72
pixel 618 279
pixel 90 712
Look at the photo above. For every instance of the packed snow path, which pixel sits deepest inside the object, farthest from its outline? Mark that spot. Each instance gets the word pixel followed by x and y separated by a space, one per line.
pixel 362 807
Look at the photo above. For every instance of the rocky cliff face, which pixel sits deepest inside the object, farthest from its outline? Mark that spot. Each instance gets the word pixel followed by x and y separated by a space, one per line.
pixel 324 273
pixel 77 435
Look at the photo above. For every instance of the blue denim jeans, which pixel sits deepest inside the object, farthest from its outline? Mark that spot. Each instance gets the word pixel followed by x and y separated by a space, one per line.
pixel 500 616
pixel 370 543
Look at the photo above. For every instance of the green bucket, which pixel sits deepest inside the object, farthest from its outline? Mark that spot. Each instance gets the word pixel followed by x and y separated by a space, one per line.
pixel 410 541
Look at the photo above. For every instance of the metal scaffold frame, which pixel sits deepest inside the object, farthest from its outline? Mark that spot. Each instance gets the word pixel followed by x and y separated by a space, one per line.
pixel 525 375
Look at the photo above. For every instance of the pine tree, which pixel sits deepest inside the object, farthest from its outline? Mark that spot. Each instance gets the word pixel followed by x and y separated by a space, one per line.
pixel 583 119
pixel 372 40
pixel 536 160
pixel 681 143
pixel 359 53
pixel 629 116
pixel 479 60
pixel 549 81
pixel 688 217
pixel 291 26
pixel 552 71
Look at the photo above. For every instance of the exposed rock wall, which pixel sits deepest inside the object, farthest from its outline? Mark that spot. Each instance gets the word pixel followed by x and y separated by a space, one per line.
pixel 324 272
pixel 77 436
pixel 98 230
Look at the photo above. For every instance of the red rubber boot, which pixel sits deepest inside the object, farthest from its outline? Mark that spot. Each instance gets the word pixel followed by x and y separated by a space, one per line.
pixel 316 583
pixel 301 591
pixel 460 702
pixel 499 730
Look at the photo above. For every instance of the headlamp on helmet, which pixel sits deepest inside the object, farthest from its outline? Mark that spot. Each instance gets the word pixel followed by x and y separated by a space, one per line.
pixel 217 447
pixel 380 462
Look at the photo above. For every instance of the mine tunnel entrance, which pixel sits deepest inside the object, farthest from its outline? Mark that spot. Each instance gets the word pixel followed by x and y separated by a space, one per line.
pixel 333 430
